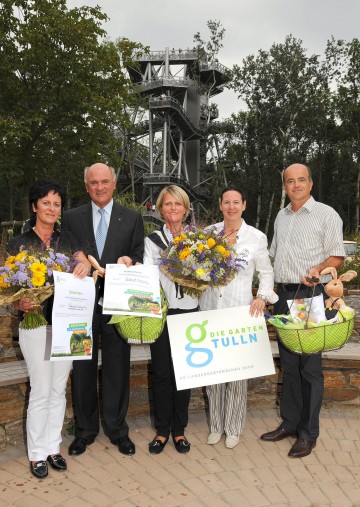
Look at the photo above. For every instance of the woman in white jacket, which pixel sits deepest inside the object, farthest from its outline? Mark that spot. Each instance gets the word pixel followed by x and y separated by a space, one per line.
pixel 227 402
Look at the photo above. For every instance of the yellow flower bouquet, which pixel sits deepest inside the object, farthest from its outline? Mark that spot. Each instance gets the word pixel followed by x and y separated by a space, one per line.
pixel 30 274
pixel 198 259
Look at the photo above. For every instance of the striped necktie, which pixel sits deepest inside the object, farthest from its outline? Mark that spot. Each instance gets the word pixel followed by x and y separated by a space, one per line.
pixel 101 233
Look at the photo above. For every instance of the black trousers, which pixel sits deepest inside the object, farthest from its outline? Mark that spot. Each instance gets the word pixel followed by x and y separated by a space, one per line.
pixel 115 384
pixel 303 379
pixel 171 407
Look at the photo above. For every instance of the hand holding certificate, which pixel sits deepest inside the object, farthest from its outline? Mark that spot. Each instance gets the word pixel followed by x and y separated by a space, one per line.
pixel 72 314
pixel 132 296
pixel 133 290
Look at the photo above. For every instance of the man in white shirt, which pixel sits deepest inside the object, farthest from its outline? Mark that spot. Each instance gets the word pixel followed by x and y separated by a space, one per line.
pixel 307 238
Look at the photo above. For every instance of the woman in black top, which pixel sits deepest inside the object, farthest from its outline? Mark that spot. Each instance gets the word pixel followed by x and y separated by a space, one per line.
pixel 171 406
pixel 47 402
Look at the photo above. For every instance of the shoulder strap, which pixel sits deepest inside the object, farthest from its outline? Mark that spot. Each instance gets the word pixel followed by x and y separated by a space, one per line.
pixel 159 238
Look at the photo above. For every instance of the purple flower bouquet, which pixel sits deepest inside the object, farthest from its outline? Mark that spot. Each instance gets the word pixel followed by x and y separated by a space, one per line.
pixel 30 275
pixel 198 259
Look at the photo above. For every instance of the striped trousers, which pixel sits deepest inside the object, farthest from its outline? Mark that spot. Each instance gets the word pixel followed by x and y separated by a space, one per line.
pixel 227 407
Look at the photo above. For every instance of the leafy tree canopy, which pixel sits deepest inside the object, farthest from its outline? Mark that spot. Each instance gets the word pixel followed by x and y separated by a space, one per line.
pixel 63 91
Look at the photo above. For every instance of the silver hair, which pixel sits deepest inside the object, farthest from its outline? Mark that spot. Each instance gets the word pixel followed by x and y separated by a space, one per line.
pixel 112 170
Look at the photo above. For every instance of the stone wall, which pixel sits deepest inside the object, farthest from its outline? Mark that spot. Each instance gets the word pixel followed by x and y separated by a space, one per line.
pixel 341 377
pixel 342 383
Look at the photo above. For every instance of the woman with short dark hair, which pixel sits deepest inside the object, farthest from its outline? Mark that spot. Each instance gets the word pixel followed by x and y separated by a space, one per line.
pixel 47 402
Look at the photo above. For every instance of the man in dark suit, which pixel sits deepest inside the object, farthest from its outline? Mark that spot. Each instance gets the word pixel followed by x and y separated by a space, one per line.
pixel 121 232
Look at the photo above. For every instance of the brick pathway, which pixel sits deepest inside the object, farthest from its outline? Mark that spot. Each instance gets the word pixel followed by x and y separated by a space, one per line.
pixel 255 473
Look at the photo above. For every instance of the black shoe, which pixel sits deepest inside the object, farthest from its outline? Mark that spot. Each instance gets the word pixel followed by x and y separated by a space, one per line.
pixel 78 445
pixel 125 445
pixel 57 462
pixel 182 445
pixel 278 434
pixel 156 446
pixel 301 448
pixel 39 469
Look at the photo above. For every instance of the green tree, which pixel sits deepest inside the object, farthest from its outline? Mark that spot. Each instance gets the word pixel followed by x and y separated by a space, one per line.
pixel 344 60
pixel 284 91
pixel 63 92
pixel 211 47
pixel 214 147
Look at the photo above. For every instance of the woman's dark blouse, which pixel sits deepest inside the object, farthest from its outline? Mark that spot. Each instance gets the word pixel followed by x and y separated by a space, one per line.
pixel 63 242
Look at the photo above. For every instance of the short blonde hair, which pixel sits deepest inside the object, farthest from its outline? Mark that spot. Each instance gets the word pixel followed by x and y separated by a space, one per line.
pixel 176 192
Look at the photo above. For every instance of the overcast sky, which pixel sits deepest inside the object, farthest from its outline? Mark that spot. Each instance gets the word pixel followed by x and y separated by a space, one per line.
pixel 250 25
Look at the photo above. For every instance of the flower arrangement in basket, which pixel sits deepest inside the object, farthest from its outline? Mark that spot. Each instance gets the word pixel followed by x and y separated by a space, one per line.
pixel 301 335
pixel 198 259
pixel 30 274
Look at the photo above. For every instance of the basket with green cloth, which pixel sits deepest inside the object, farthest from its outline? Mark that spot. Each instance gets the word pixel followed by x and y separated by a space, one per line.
pixel 308 338
pixel 302 335
pixel 141 330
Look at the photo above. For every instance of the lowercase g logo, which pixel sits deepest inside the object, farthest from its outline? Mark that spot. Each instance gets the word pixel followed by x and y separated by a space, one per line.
pixel 198 357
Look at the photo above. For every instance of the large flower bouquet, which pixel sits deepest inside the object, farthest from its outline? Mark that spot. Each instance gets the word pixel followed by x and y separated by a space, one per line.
pixel 30 274
pixel 198 259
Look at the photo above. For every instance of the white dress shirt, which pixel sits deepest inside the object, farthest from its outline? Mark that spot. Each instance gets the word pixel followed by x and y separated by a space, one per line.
pixel 251 245
pixel 304 239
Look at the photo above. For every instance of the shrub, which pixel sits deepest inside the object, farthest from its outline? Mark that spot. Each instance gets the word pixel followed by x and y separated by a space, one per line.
pixel 353 263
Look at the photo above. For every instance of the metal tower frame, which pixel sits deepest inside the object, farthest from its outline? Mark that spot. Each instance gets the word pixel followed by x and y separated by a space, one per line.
pixel 176 86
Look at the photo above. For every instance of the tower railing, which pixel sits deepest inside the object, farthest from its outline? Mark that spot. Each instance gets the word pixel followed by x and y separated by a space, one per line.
pixel 178 115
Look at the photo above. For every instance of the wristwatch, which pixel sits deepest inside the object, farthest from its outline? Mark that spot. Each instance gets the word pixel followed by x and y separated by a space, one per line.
pixel 261 296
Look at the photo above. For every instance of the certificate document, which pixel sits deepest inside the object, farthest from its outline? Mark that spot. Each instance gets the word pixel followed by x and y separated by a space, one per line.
pixel 72 315
pixel 132 291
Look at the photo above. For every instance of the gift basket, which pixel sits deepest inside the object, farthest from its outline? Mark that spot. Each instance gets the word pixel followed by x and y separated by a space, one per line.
pixel 304 339
pixel 141 330
pixel 302 334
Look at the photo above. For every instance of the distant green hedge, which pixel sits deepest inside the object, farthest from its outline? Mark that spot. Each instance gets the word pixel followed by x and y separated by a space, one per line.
pixel 353 264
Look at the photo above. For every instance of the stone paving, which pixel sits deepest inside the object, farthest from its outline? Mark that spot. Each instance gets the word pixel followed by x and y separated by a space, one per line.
pixel 254 473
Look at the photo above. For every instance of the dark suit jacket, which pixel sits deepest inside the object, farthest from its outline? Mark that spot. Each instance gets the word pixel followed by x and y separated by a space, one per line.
pixel 125 235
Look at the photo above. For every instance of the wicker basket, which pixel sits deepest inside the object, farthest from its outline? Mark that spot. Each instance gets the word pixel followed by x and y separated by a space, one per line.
pixel 140 330
pixel 317 339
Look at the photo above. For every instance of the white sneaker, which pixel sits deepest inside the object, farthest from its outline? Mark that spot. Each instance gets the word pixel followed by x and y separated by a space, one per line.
pixel 214 438
pixel 231 441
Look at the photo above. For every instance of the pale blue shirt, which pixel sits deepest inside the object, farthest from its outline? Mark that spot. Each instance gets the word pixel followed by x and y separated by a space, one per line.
pixel 96 216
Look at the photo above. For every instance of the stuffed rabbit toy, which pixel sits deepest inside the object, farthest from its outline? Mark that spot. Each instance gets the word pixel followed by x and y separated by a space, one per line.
pixel 335 289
